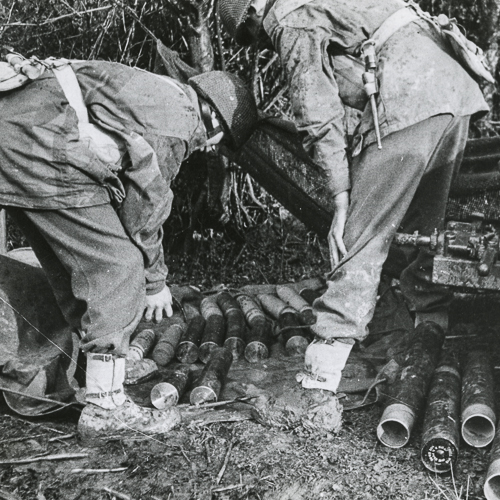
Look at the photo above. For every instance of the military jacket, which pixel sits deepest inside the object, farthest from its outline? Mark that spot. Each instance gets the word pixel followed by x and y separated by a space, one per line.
pixel 418 74
pixel 45 165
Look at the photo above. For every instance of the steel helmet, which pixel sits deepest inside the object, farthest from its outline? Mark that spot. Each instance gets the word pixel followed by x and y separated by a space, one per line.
pixel 233 102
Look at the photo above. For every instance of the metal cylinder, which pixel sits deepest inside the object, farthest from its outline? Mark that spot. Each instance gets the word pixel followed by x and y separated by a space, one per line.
pixel 213 334
pixel 411 385
pixel 212 378
pixel 174 385
pixel 272 305
pixel 168 340
pixel 297 302
pixel 259 332
pixel 478 401
pixel 441 431
pixel 492 481
pixel 189 345
pixel 235 324
pixel 140 347
pixel 295 338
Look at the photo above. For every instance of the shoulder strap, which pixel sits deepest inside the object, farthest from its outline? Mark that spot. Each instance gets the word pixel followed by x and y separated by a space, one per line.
pixel 71 88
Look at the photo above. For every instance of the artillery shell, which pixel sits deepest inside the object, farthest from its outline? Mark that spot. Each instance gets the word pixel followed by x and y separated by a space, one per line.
pixel 492 481
pixel 478 402
pixel 441 433
pixel 174 385
pixel 141 345
pixel 294 336
pixel 165 348
pixel 294 300
pixel 272 305
pixel 212 378
pixel 310 295
pixel 213 335
pixel 411 385
pixel 188 349
pixel 259 333
pixel 235 324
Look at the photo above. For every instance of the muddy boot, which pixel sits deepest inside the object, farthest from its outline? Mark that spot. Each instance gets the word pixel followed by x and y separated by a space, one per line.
pixel 109 412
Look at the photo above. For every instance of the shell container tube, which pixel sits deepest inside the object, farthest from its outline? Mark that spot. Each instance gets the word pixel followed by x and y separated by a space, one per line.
pixel 272 305
pixel 212 378
pixel 174 385
pixel 141 345
pixel 441 431
pixel 492 481
pixel 478 400
pixel 406 396
pixel 296 301
pixel 189 345
pixel 235 324
pixel 213 334
pixel 259 330
pixel 168 340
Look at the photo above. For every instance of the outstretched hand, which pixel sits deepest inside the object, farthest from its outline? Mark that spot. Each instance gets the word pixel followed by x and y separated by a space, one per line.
pixel 157 303
pixel 336 233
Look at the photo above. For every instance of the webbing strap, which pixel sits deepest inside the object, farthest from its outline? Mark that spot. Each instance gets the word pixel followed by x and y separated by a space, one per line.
pixel 71 88
pixel 393 23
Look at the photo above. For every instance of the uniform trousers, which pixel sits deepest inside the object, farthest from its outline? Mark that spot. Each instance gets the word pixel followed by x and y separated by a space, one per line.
pixel 94 270
pixel 405 187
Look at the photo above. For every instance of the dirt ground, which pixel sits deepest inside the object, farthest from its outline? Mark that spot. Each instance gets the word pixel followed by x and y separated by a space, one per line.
pixel 237 457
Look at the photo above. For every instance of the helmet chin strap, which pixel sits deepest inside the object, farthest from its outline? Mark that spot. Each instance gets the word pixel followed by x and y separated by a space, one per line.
pixel 206 116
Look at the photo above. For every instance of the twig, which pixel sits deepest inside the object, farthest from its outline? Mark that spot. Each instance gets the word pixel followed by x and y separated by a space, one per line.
pixel 185 455
pixel 117 494
pixel 36 398
pixel 46 458
pixel 55 19
pixel 12 417
pixel 59 438
pixel 207 452
pixel 229 488
pixel 97 471
pixel 24 438
pixel 226 461
pixel 217 403
pixel 251 192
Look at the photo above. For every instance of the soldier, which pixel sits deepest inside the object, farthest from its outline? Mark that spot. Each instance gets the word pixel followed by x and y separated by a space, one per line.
pixel 420 118
pixel 88 151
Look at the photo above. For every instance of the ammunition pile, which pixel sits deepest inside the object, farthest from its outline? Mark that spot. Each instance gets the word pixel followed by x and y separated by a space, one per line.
pixel 459 403
pixel 251 323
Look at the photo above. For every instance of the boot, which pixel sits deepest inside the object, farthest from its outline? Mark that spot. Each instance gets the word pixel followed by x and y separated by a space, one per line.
pixel 108 411
pixel 323 364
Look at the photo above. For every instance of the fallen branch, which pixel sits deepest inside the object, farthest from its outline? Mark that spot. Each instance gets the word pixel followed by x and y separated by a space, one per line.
pixel 229 488
pixel 59 438
pixel 117 494
pixel 24 438
pixel 97 471
pixel 226 461
pixel 46 458
pixel 37 398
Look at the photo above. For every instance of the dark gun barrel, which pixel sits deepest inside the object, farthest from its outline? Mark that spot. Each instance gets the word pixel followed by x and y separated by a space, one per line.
pixel 174 385
pixel 441 431
pixel 410 387
pixel 213 335
pixel 478 400
pixel 235 324
pixel 212 378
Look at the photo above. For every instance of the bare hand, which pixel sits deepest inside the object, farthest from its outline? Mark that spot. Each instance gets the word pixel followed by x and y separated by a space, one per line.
pixel 336 233
pixel 157 303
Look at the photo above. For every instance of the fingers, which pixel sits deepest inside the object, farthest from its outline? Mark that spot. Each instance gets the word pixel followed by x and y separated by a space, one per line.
pixel 148 313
